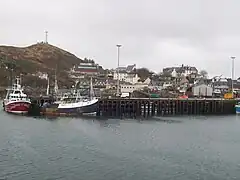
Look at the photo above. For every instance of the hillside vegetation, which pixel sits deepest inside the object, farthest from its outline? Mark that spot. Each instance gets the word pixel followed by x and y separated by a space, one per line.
pixel 38 57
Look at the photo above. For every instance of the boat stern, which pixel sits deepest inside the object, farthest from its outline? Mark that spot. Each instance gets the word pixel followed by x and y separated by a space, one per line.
pixel 237 108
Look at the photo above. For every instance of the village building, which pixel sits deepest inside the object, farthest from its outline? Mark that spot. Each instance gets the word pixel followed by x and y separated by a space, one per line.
pixel 126 69
pixel 126 74
pixel 132 78
pixel 174 73
pixel 221 84
pixel 129 88
pixel 82 68
pixel 121 75
pixel 181 70
pixel 202 90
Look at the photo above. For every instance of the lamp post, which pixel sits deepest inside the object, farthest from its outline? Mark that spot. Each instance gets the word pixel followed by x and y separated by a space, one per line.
pixel 233 58
pixel 118 57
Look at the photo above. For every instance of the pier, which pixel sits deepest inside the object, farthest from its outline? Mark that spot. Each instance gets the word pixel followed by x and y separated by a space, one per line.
pixel 146 107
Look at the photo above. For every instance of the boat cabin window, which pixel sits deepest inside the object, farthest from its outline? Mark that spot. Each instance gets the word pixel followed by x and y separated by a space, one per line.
pixel 20 97
pixel 17 92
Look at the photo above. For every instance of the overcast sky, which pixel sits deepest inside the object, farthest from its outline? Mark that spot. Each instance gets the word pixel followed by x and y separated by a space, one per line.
pixel 154 33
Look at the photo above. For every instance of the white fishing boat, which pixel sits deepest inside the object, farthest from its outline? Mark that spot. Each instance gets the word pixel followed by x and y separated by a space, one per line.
pixel 62 98
pixel 79 105
pixel 16 101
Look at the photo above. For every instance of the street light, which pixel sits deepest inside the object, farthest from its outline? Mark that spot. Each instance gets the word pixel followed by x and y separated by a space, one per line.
pixel 118 56
pixel 233 58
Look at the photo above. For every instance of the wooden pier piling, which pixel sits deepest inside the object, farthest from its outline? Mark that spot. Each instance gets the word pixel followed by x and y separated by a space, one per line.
pixel 147 107
pixel 133 108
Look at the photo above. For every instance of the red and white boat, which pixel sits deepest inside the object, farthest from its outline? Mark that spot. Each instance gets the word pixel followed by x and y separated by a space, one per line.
pixel 16 101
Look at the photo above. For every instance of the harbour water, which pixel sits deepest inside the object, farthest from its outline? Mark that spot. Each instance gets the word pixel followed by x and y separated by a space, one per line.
pixel 184 148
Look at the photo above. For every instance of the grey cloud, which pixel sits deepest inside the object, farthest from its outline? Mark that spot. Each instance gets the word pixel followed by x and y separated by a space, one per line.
pixel 154 33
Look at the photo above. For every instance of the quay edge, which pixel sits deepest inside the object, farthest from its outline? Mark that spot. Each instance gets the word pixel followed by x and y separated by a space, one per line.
pixel 147 107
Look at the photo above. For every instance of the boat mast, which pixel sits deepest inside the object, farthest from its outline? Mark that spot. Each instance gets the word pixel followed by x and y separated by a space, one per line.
pixel 20 79
pixel 48 86
pixel 10 69
pixel 56 84
pixel 76 83
pixel 91 89
pixel 17 81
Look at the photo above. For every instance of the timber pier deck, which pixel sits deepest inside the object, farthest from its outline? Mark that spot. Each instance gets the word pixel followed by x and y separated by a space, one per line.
pixel 146 107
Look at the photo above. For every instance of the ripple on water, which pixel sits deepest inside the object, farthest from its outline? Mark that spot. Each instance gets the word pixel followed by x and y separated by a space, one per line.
pixel 186 148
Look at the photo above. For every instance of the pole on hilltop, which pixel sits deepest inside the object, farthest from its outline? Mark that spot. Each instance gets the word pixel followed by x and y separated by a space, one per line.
pixel 46 37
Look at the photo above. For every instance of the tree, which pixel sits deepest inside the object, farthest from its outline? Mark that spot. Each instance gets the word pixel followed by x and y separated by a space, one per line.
pixel 143 73
pixel 203 73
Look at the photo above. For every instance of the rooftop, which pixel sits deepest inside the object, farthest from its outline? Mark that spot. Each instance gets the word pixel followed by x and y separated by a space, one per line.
pixel 128 68
pixel 179 69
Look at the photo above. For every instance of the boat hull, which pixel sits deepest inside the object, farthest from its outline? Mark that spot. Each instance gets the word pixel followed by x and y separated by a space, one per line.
pixel 17 107
pixel 79 108
pixel 237 107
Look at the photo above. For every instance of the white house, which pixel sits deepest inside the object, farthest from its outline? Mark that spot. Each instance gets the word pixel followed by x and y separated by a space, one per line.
pixel 183 70
pixel 174 73
pixel 127 77
pixel 122 75
pixel 132 78
pixel 189 70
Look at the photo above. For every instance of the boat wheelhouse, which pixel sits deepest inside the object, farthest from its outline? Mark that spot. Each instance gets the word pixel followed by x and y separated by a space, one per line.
pixel 16 101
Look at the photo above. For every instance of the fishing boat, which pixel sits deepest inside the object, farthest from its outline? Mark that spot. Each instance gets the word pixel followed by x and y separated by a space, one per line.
pixel 64 97
pixel 78 104
pixel 16 101
pixel 237 107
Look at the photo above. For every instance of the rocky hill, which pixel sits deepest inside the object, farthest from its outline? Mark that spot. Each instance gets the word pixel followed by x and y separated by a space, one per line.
pixel 38 57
